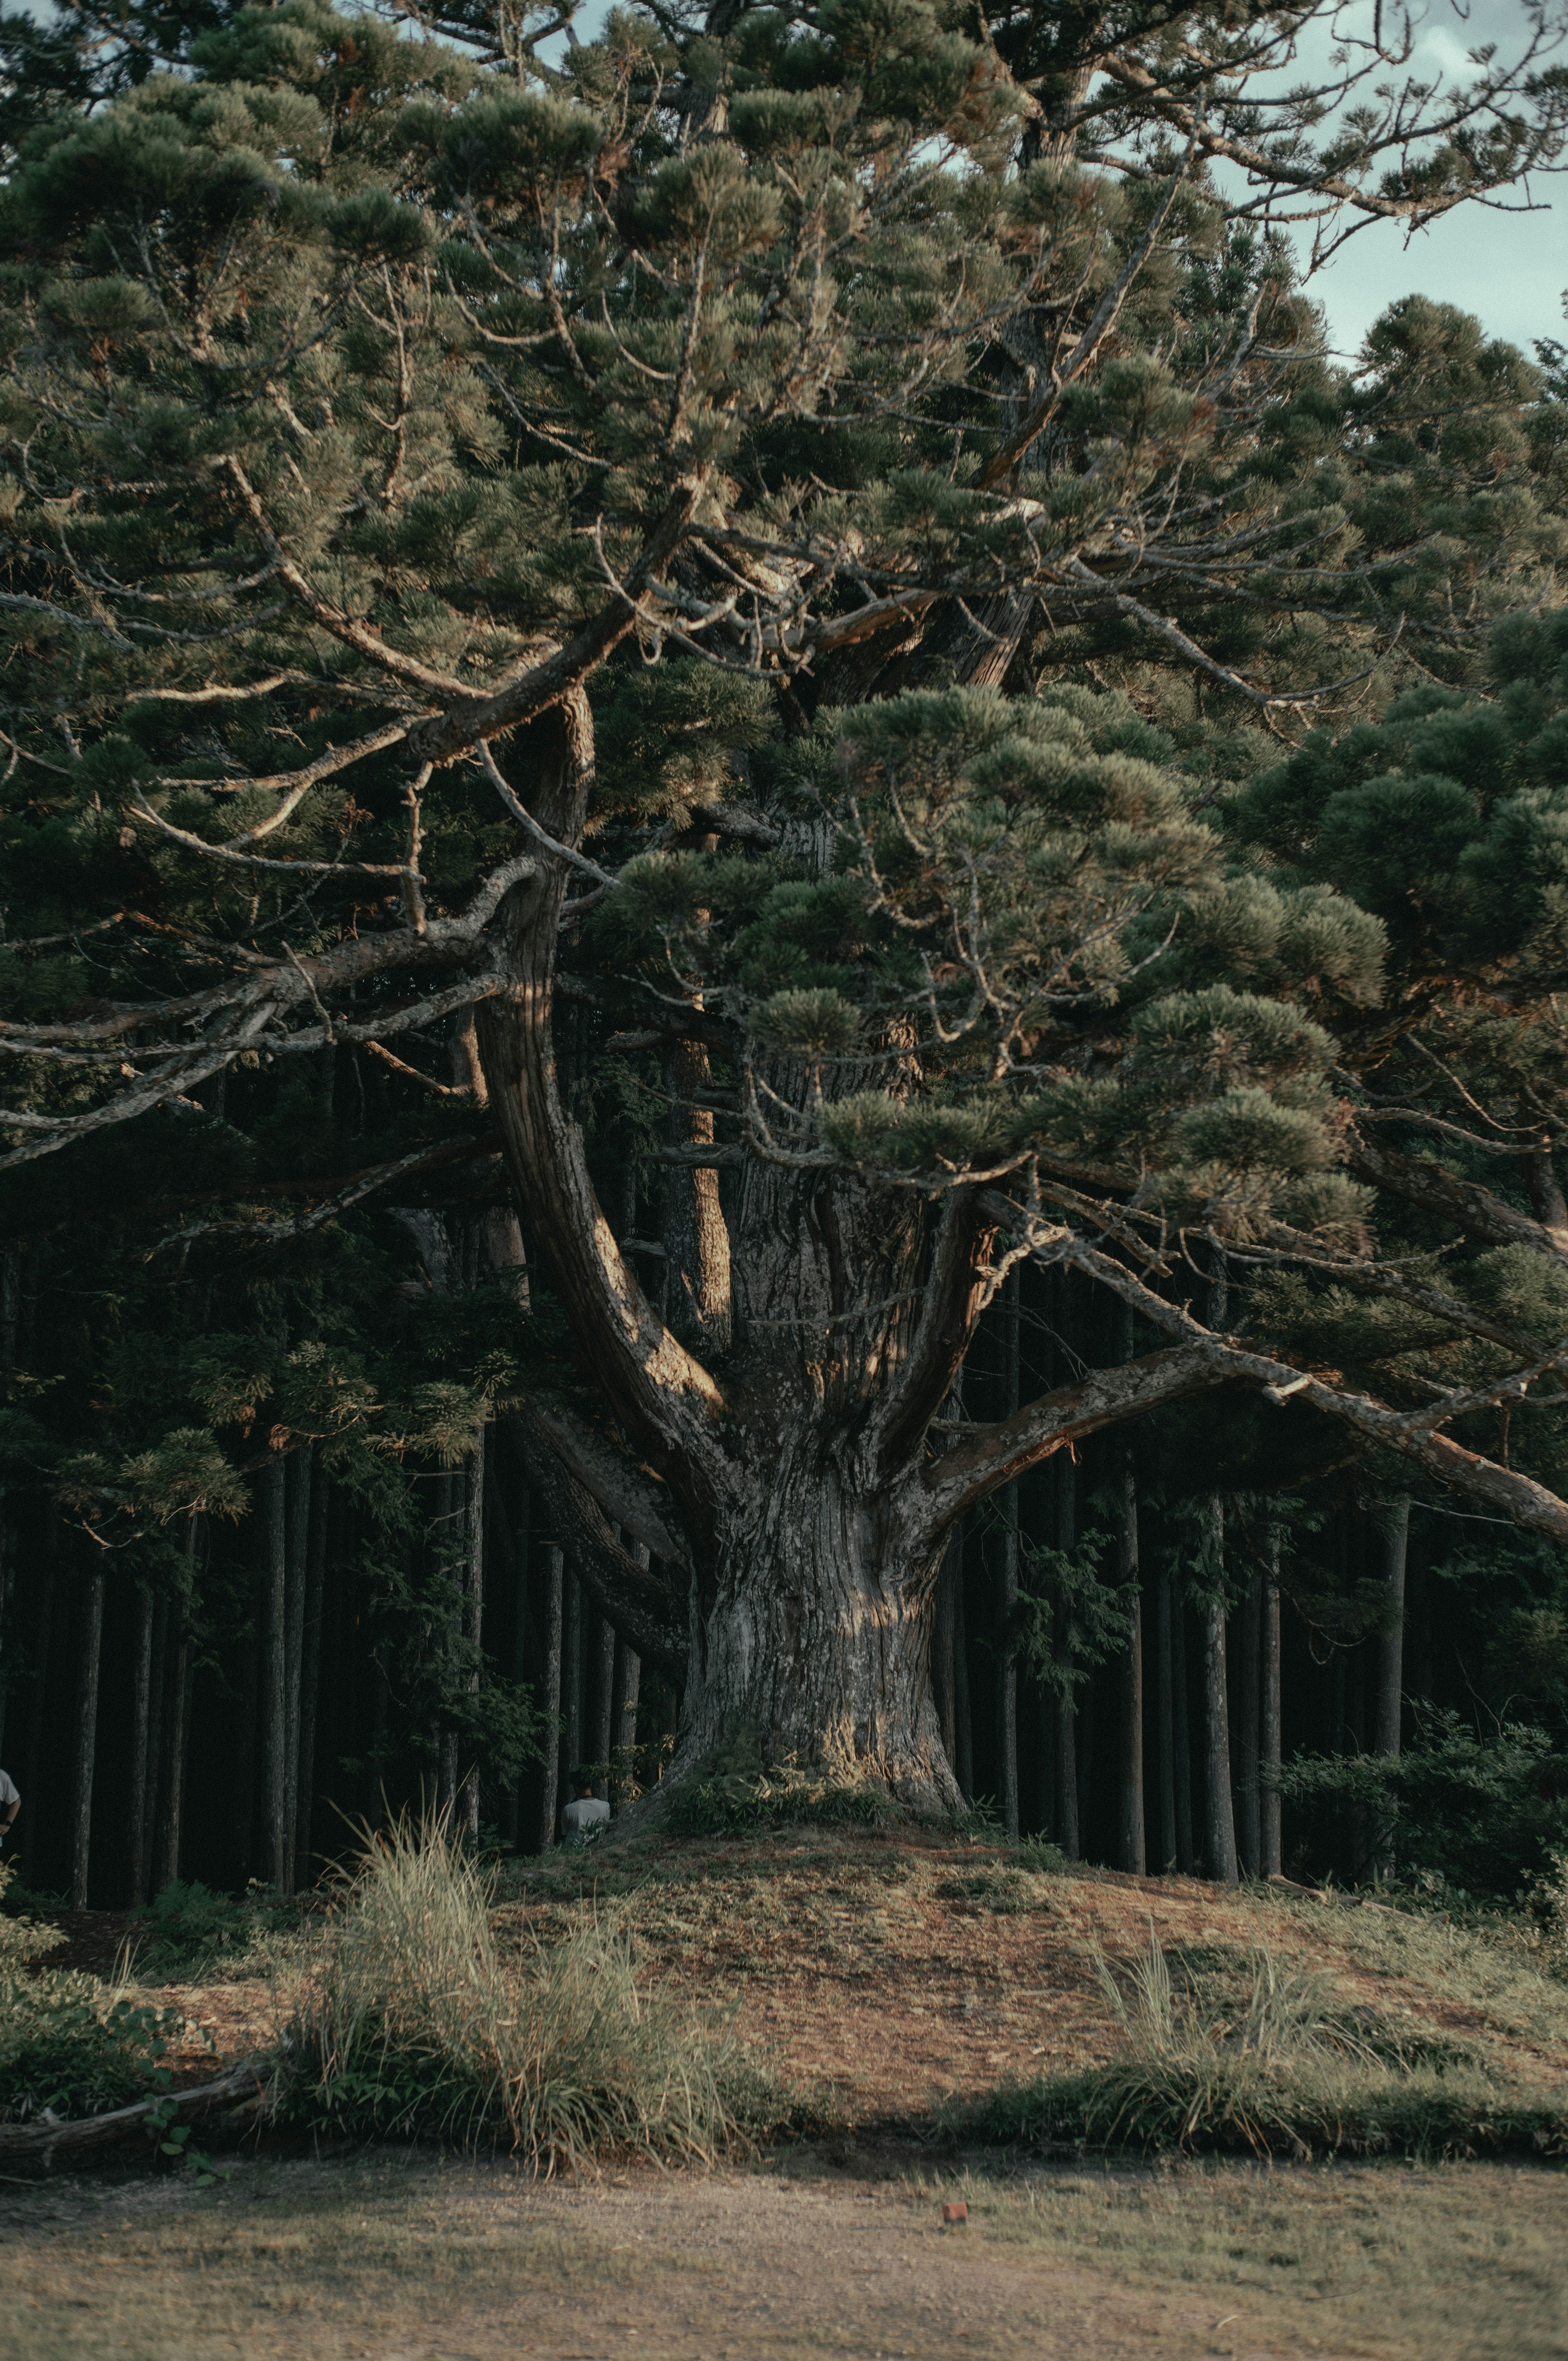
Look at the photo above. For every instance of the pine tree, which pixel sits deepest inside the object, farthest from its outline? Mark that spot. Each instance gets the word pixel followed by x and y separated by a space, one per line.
pixel 600 540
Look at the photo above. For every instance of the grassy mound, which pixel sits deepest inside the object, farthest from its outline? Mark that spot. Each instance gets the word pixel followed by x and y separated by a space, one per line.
pixel 1279 2069
pixel 412 2023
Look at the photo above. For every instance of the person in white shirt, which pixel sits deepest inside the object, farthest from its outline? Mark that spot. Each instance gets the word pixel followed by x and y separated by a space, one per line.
pixel 586 1814
pixel 10 1804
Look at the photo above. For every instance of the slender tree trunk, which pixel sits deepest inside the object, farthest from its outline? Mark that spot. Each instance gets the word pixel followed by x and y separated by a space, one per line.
pixel 89 1653
pixel 963 1718
pixel 1394 1525
pixel 176 1721
pixel 444 1737
pixel 1220 1832
pixel 1067 1831
pixel 603 1702
pixel 1181 1737
pixel 155 1725
pixel 572 1685
pixel 1008 1505
pixel 297 1510
pixel 141 1723
pixel 322 1509
pixel 1269 1748
pixel 38 1703
pixel 274 1699
pixel 1249 1672
pixel 473 1614
pixel 1133 1841
pixel 1165 1719
pixel 519 1637
pixel 623 1725
pixel 550 1695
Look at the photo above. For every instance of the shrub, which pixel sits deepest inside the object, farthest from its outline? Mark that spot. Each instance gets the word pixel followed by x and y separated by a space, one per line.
pixel 1283 2072
pixel 69 2044
pixel 1482 1814
pixel 732 1793
pixel 413 2024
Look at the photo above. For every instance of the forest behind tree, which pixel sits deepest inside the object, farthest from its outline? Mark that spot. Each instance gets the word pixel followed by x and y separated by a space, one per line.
pixel 784 916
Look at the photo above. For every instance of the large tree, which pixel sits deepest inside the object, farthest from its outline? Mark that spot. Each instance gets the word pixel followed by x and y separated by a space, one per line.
pixel 599 536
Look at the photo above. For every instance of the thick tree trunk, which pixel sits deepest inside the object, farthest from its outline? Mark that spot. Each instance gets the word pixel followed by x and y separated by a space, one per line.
pixel 1133 1840
pixel 816 1642
pixel 1271 1862
pixel 136 1769
pixel 944 1662
pixel 85 1752
pixel 274 1698
pixel 1219 1827
pixel 550 1695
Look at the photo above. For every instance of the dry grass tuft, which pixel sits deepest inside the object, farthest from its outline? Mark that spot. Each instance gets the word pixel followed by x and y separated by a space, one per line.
pixel 412 2023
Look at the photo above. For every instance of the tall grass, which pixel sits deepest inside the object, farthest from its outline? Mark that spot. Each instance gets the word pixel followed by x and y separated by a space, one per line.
pixel 1282 2070
pixel 415 2022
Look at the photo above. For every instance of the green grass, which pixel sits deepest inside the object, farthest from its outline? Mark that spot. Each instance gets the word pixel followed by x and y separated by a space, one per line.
pixel 1274 2062
pixel 1463 2260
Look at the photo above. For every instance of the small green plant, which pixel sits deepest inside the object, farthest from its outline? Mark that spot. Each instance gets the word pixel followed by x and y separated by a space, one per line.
pixel 172 2150
pixel 191 1933
pixel 1040 1855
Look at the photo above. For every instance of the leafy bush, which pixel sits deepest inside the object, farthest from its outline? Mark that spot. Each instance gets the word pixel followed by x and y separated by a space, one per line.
pixel 1284 2070
pixel 192 1932
pixel 68 2043
pixel 732 1793
pixel 1480 1814
pixel 413 2024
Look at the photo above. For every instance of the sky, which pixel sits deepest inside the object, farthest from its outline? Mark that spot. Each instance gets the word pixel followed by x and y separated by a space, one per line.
pixel 1508 269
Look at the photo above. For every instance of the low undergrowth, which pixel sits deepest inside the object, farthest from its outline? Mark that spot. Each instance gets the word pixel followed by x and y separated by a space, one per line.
pixel 70 2045
pixel 1282 2067
pixel 733 1793
pixel 413 2022
pixel 188 1933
